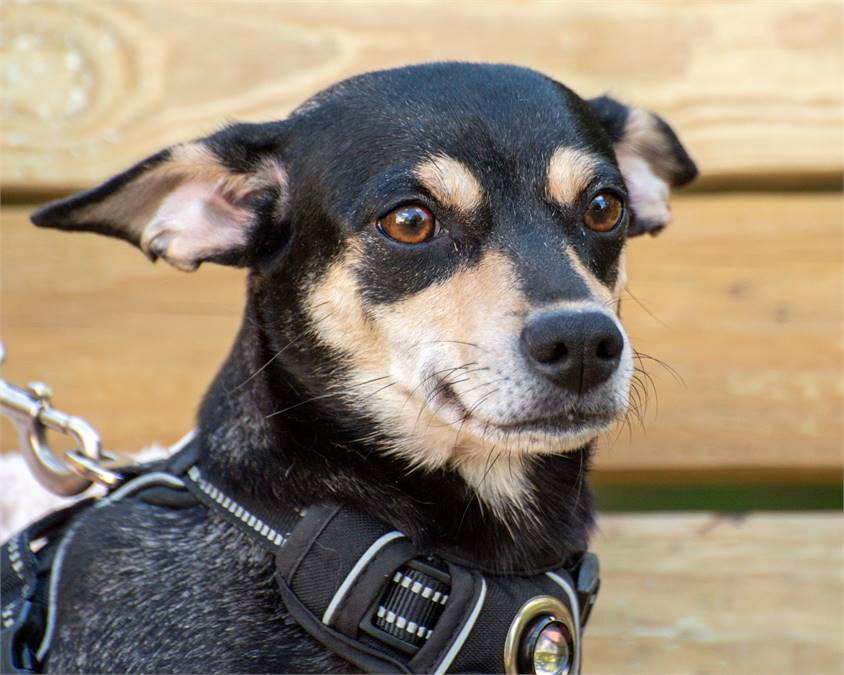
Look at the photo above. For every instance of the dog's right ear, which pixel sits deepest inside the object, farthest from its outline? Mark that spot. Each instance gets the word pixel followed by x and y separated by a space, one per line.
pixel 190 203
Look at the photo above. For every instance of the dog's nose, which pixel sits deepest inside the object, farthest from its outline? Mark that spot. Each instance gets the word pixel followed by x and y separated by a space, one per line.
pixel 575 350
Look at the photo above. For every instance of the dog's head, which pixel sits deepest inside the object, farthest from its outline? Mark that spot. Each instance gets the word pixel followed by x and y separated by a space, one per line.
pixel 438 250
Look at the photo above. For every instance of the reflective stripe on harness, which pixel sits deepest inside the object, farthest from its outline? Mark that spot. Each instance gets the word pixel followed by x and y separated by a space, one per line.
pixel 26 562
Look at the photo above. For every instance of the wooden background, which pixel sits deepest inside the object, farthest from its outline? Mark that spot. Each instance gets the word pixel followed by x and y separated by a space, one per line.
pixel 741 296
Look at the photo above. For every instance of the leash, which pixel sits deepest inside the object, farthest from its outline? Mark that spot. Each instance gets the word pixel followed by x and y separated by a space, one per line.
pixel 363 590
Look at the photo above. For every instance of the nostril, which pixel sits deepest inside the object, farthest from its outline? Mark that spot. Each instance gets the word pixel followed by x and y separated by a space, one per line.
pixel 555 353
pixel 609 349
pixel 551 351
pixel 545 342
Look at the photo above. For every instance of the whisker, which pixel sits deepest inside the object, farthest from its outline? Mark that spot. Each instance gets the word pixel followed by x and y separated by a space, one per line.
pixel 433 393
pixel 672 371
pixel 487 468
pixel 649 384
pixel 434 374
pixel 579 481
pixel 343 391
pixel 277 354
pixel 482 384
pixel 455 342
pixel 471 410
pixel 641 304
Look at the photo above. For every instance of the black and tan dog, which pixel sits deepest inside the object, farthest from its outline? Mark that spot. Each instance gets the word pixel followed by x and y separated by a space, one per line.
pixel 436 256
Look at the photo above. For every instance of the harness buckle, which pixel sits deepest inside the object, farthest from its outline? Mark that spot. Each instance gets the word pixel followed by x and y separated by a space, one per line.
pixel 588 581
pixel 31 412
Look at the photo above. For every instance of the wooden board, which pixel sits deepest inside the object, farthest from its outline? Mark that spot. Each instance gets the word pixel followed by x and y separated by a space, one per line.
pixel 754 88
pixel 710 594
pixel 741 297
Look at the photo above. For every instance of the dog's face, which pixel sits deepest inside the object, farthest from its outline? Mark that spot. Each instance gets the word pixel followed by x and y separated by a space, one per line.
pixel 436 249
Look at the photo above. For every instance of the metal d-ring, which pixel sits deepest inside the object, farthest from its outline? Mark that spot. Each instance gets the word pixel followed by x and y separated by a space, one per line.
pixel 542 608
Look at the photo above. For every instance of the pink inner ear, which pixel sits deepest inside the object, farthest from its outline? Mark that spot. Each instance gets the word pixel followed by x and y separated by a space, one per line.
pixel 195 222
pixel 648 192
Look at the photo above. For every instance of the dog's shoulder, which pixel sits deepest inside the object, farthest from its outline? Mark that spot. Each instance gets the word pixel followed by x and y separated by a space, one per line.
pixel 146 588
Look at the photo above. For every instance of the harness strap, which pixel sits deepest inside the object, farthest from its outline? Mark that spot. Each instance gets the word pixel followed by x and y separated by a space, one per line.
pixel 26 561
pixel 363 590
pixel 370 595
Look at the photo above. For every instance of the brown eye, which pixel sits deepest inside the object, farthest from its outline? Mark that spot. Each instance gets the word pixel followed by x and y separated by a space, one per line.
pixel 411 224
pixel 604 212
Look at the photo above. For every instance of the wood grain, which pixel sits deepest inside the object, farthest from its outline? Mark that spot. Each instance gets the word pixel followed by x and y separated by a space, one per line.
pixel 754 88
pixel 741 297
pixel 710 594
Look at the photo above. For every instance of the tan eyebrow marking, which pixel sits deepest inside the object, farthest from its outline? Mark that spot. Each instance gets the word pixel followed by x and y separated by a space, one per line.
pixel 450 181
pixel 569 173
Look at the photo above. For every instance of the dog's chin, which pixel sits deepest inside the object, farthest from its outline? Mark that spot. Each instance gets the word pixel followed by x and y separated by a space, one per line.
pixel 559 432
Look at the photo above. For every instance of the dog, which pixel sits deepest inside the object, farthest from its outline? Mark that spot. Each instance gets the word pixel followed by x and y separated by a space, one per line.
pixel 436 257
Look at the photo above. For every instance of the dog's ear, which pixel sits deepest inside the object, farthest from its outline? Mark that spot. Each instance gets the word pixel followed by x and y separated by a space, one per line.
pixel 651 159
pixel 190 203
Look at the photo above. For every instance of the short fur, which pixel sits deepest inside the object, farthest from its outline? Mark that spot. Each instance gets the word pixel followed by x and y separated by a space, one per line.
pixel 378 374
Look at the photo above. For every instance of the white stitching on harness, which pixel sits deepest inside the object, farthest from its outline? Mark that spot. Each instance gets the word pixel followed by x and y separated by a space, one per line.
pixel 236 509
pixel 15 557
pixel 415 587
pixel 403 623
pixel 9 615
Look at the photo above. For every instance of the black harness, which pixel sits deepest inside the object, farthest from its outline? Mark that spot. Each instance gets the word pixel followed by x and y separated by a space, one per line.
pixel 361 589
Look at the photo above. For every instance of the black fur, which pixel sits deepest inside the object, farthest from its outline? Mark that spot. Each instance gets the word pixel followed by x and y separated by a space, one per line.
pixel 182 591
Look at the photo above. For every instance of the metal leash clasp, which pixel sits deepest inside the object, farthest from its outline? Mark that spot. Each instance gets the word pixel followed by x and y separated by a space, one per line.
pixel 32 413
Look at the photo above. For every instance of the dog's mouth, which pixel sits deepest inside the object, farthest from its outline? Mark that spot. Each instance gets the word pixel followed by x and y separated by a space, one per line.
pixel 448 406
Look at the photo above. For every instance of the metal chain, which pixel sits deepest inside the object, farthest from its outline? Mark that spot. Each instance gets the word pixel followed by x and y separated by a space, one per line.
pixel 32 413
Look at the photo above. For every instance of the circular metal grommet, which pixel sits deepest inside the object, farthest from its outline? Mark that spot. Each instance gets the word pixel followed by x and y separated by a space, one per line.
pixel 540 639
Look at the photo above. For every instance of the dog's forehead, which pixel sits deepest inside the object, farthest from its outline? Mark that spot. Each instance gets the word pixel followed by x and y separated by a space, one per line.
pixel 488 117
pixel 496 144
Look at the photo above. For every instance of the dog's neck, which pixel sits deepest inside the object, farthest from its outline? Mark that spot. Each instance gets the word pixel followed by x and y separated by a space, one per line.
pixel 307 455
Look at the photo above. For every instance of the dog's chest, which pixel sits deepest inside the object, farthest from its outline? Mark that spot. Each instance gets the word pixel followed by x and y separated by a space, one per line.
pixel 147 589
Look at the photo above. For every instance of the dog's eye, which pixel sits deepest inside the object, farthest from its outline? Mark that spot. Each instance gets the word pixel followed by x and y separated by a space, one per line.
pixel 604 212
pixel 409 224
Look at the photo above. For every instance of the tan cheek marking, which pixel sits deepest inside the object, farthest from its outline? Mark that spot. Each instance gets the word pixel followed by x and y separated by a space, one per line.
pixel 339 318
pixel 451 182
pixel 569 173
pixel 482 305
pixel 461 321
pixel 620 280
pixel 476 305
pixel 599 291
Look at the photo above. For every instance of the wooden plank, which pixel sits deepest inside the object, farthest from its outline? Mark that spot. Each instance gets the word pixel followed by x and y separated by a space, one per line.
pixel 710 594
pixel 741 296
pixel 754 87
pixel 128 345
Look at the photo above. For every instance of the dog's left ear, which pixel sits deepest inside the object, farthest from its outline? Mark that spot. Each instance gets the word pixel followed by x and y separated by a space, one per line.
pixel 193 202
pixel 651 159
